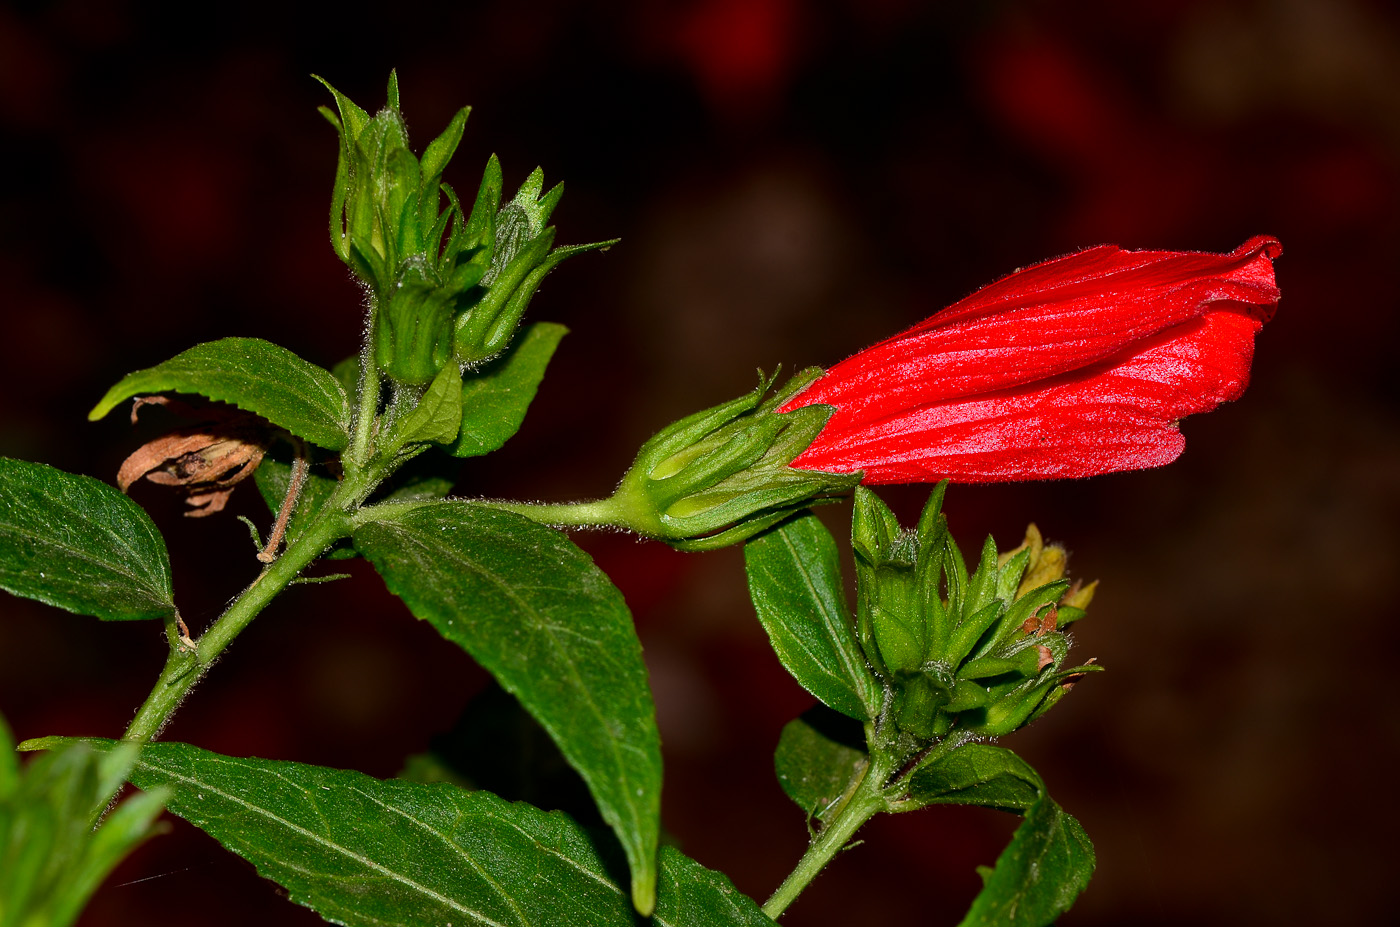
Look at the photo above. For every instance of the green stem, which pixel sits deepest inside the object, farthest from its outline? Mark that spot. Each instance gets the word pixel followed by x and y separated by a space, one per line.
pixel 369 399
pixel 602 513
pixel 184 668
pixel 863 801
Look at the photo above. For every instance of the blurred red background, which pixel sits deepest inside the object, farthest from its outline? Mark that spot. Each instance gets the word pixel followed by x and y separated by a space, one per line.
pixel 791 181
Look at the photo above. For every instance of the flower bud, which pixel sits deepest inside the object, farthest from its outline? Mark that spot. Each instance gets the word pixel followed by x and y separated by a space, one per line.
pixel 720 476
pixel 413 336
pixel 980 651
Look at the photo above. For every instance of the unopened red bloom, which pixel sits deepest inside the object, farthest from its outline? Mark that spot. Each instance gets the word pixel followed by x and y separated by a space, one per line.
pixel 1079 365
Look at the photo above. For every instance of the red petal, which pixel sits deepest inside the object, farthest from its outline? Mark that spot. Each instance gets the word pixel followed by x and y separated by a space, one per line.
pixel 1052 318
pixel 1119 414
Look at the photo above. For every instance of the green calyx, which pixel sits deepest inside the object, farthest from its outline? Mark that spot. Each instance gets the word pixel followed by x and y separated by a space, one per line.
pixel 977 653
pixel 445 284
pixel 722 475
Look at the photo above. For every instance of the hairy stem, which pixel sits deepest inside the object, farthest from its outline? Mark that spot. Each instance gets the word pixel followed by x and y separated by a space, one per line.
pixel 602 513
pixel 368 396
pixel 861 803
pixel 184 668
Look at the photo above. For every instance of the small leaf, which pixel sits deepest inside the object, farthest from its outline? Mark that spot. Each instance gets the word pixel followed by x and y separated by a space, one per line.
pixel 818 756
pixel 1049 860
pixel 255 375
pixel 536 612
pixel 977 774
pixel 795 583
pixel 363 851
pixel 439 152
pixel 77 543
pixel 689 895
pixel 1040 873
pixel 438 415
pixel 496 397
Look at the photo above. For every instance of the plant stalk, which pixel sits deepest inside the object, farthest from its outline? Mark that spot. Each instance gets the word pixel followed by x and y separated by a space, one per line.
pixel 184 668
pixel 864 802
pixel 598 514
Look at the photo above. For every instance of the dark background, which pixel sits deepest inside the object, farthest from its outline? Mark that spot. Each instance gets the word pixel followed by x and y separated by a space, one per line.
pixel 791 181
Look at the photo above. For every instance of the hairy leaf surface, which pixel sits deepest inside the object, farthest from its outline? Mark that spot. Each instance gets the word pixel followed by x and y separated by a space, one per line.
pixel 364 851
pixel 1049 860
pixel 795 583
pixel 689 895
pixel 818 756
pixel 254 375
pixel 535 612
pixel 496 398
pixel 77 543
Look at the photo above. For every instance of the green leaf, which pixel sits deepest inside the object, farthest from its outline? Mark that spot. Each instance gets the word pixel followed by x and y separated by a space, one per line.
pixel 496 397
pixel 536 612
pixel 364 851
pixel 1049 860
pixel 977 774
pixel 818 756
pixel 51 859
pixel 1040 873
pixel 438 415
pixel 689 895
pixel 255 375
pixel 795 583
pixel 77 543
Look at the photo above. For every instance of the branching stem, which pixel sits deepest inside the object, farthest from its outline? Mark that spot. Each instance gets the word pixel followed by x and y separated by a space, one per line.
pixel 862 802
pixel 185 667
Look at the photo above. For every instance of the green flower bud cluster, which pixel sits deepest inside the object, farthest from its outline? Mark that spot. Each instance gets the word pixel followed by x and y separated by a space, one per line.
pixel 722 475
pixel 980 653
pixel 445 284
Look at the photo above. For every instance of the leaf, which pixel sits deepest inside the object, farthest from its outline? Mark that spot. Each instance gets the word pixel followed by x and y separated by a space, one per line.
pixel 536 612
pixel 51 858
pixel 978 774
pixel 817 757
pixel 1049 860
pixel 495 398
pixel 255 375
pixel 364 851
pixel 360 850
pixel 438 415
pixel 77 543
pixel 1040 873
pixel 795 583
pixel 689 895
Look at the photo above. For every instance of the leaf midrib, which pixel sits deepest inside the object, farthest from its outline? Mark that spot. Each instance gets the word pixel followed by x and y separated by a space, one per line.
pixel 842 651
pixel 9 528
pixel 344 851
pixel 572 670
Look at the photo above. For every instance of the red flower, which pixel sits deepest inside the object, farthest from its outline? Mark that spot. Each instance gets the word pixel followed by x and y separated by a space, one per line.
pixel 1072 367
